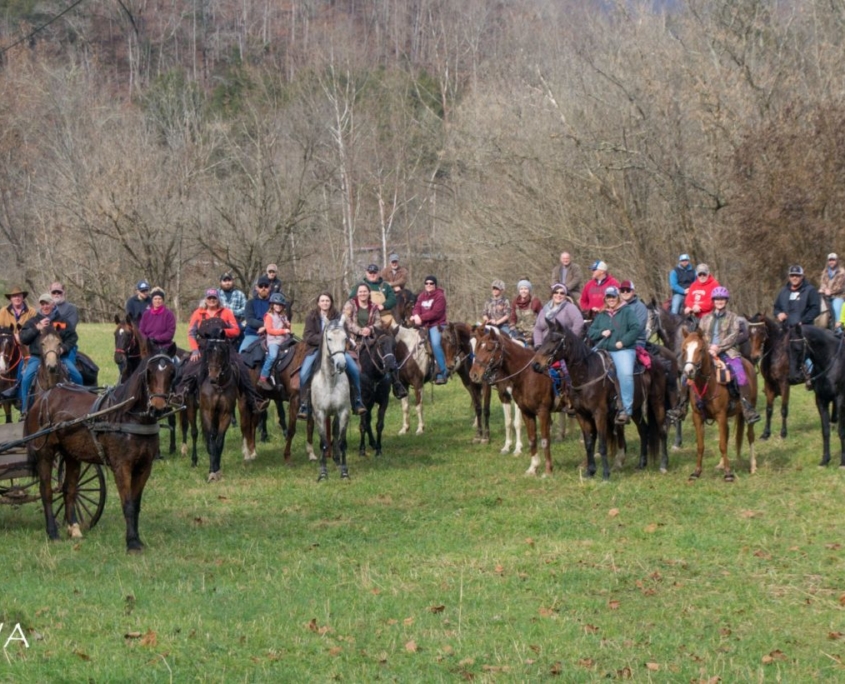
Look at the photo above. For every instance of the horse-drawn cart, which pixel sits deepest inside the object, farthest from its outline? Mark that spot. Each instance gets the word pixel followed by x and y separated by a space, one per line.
pixel 19 484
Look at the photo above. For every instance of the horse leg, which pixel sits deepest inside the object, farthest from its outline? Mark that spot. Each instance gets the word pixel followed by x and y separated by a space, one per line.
pixel 171 425
pixel 506 410
pixel 531 428
pixel 382 409
pixel 194 435
pixel 824 414
pixel 517 430
pixel 679 437
pixel 770 409
pixel 840 410
pixel 309 439
pixel 698 422
pixel 545 437
pixel 784 409
pixel 140 475
pixel 183 423
pixel 262 428
pixel 8 410
pixel 406 416
pixel 247 430
pixel 339 438
pixel 419 406
pixel 45 477
pixel 324 446
pixel 280 410
pixel 602 428
pixel 486 397
pixel 70 489
pixel 724 434
pixel 364 429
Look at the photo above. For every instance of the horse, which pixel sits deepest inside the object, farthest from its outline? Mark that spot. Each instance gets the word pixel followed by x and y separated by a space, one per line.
pixel 404 307
pixel 330 403
pixel 457 340
pixel 499 359
pixel 125 439
pixel 711 401
pixel 825 350
pixel 377 360
pixel 770 349
pixel 218 393
pixel 129 346
pixel 10 360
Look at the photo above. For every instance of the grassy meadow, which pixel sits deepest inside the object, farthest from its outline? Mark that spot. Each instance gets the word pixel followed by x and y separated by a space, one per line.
pixel 441 561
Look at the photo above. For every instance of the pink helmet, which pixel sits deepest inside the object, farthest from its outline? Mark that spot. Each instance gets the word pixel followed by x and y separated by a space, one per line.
pixel 720 293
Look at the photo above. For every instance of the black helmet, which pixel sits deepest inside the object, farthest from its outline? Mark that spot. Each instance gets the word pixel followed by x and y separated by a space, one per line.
pixel 278 298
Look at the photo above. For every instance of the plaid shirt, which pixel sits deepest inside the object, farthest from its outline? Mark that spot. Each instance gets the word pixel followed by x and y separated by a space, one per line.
pixel 235 300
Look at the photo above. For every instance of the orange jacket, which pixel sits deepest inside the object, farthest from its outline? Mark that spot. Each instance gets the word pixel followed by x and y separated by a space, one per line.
pixel 226 315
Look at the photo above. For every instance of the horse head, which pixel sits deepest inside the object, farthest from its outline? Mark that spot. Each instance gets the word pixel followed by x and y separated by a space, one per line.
pixel 384 346
pixel 213 328
pixel 9 351
pixel 334 345
pixel 489 355
pixel 159 378
pixel 695 354
pixel 758 334
pixel 126 340
pixel 455 349
pixel 798 348
pixel 552 348
pixel 216 359
pixel 51 351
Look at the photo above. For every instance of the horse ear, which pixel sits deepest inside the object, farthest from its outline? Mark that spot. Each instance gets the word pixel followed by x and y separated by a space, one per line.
pixel 685 332
pixel 129 319
pixel 117 319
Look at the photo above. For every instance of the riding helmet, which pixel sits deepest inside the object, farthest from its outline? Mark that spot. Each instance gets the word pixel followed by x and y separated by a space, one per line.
pixel 278 298
pixel 720 293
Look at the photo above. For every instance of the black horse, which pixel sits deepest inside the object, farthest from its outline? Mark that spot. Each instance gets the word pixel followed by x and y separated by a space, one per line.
pixel 824 349
pixel 377 359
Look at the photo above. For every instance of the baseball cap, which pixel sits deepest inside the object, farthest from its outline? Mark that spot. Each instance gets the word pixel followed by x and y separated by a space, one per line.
pixel 702 269
pixel 611 292
pixel 796 270
pixel 262 280
pixel 684 257
pixel 272 267
pixel 45 298
pixel 142 285
pixel 226 276
pixel 598 265
pixel 212 292
pixel 833 255
pixel 393 257
pixel 627 285
pixel 372 268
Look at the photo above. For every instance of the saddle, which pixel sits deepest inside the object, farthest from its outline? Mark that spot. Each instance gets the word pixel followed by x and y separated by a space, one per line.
pixel 253 355
pixel 87 368
pixel 286 354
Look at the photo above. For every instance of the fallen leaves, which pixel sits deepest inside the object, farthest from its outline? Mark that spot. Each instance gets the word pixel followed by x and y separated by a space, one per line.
pixel 613 605
pixel 312 626
pixel 436 609
pixel 613 512
pixel 772 656
pixel 411 646
pixel 653 667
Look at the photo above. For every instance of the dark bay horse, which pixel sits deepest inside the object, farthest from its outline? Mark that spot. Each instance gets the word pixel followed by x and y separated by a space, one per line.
pixel 377 361
pixel 129 346
pixel 824 349
pixel 125 439
pixel 499 359
pixel 770 349
pixel 10 361
pixel 710 401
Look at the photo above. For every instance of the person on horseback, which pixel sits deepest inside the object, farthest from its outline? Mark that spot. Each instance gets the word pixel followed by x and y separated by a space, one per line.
pixel 254 312
pixel 680 279
pixel 798 301
pixel 158 325
pixel 138 303
pixel 381 294
pixel 232 298
pixel 66 313
pixel 316 320
pixel 721 330
pixel 497 309
pixel 274 283
pixel 395 275
pixel 524 310
pixel 559 309
pixel 629 298
pixel 429 314
pixel 14 317
pixel 569 274
pixel 277 331
pixel 615 329
pixel 699 300
pixel 832 285
pixel 30 334
pixel 592 298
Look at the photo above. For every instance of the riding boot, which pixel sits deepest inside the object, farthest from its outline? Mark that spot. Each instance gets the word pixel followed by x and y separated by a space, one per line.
pixel 749 411
pixel 11 393
pixel 399 390
pixel 304 412
pixel 264 383
pixel 357 405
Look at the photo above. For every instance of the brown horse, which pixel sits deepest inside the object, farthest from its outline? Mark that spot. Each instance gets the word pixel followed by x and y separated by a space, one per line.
pixel 125 439
pixel 10 360
pixel 711 401
pixel 130 346
pixel 499 359
pixel 770 349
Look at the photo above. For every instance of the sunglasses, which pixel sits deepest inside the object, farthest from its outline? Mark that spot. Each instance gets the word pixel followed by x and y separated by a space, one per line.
pixel 795 275
pixel 703 275
pixel 271 271
pixel 611 297
pixel 558 292
pixel 625 289
pixel 262 287
pixel 57 292
pixel 428 282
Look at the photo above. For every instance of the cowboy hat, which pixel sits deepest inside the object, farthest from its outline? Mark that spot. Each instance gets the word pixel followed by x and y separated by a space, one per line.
pixel 17 291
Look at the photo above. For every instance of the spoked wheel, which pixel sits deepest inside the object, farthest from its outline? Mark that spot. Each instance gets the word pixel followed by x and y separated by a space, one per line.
pixel 90 493
pixel 19 490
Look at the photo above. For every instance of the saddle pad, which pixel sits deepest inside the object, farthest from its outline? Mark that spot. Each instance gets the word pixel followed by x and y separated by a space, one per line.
pixel 87 368
pixel 286 354
pixel 253 355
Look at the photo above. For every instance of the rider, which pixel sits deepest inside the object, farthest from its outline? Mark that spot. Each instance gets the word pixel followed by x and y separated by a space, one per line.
pixel 138 303
pixel 699 300
pixel 271 274
pixel 254 312
pixel 14 317
pixel 497 309
pixel 592 298
pixel 158 325
pixel 395 275
pixel 629 298
pixel 524 310
pixel 277 330
pixel 559 309
pixel 680 279
pixel 382 294
pixel 430 313
pixel 615 329
pixel 798 301
pixel 316 320
pixel 569 274
pixel 833 285
pixel 65 312
pixel 721 331
pixel 232 298
pixel 30 335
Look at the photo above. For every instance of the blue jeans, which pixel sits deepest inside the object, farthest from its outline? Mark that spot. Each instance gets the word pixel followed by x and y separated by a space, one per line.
pixel 624 359
pixel 352 371
pixel 272 354
pixel 437 347
pixel 31 370
pixel 249 338
pixel 677 303
pixel 837 309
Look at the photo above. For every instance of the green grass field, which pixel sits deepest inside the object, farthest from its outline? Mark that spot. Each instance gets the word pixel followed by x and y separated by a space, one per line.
pixel 441 561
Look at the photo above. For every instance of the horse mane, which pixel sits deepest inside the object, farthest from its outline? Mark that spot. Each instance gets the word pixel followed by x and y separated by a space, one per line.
pixel 133 387
pixel 580 350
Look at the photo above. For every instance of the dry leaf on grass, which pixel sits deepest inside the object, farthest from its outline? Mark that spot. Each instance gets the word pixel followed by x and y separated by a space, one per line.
pixel 408 621
pixel 499 569
pixel 613 605
pixel 557 669
pixel 833 636
pixel 149 639
pixel 588 663
pixel 437 609
pixel 624 673
pixel 547 612
pixel 654 667
pixel 591 629
pixel 82 655
pixel 771 657
pixel 335 650
pixel 411 646
pixel 651 527
pixel 613 512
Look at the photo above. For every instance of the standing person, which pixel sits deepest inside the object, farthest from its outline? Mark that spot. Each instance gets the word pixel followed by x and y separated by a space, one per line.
pixel 381 293
pixel 277 329
pixel 629 298
pixel 615 329
pixel 254 312
pixel 430 313
pixel 158 325
pixel 832 285
pixel 315 321
pixel 272 275
pixel 592 297
pixel 721 330
pixel 699 300
pixel 395 275
pixel 798 301
pixel 559 309
pixel 232 298
pixel 569 274
pixel 138 303
pixel 497 309
pixel 66 313
pixel 524 309
pixel 30 336
pixel 680 279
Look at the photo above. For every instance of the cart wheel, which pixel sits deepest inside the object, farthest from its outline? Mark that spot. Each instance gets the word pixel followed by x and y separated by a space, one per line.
pixel 90 493
pixel 20 490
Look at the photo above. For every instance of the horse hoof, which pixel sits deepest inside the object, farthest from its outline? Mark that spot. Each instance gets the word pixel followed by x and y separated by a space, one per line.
pixel 214 477
pixel 824 463
pixel 313 457
pixel 664 470
pixel 675 447
pixel 729 477
pixel 378 453
pixel 344 476
pixel 694 476
pixel 764 437
pixel 477 440
pixel 322 477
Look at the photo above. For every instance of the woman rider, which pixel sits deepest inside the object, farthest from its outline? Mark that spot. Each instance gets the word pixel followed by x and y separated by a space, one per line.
pixel 315 322
pixel 524 310
pixel 158 325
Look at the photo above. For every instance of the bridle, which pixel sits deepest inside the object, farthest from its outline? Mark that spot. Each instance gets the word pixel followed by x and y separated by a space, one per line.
pixel 221 348
pixel 129 347
pixel 450 336
pixel 6 340
pixel 336 352
pixel 157 359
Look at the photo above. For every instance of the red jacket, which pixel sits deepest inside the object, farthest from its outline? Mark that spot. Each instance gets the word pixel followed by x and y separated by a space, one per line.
pixel 431 308
pixel 226 315
pixel 592 296
pixel 700 293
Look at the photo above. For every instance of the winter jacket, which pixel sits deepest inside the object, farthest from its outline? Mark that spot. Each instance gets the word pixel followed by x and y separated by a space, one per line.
pixel 802 305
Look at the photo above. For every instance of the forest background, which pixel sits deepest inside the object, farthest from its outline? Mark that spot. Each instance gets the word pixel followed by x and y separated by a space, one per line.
pixel 173 140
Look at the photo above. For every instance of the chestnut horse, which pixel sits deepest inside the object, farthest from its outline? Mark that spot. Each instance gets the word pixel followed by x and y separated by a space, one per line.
pixel 125 439
pixel 10 361
pixel 711 401
pixel 499 359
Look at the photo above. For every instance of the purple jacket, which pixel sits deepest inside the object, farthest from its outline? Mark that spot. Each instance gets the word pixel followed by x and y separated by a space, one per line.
pixel 158 326
pixel 569 316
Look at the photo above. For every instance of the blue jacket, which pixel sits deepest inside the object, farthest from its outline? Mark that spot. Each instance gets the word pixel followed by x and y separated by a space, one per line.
pixel 681 278
pixel 254 314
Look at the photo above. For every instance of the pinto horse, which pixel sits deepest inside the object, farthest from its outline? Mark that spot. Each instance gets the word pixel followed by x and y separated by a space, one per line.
pixel 499 359
pixel 711 401
pixel 10 361
pixel 125 439
pixel 770 349
pixel 826 351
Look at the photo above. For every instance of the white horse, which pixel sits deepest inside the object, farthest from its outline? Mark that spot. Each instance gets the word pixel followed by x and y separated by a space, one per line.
pixel 330 402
